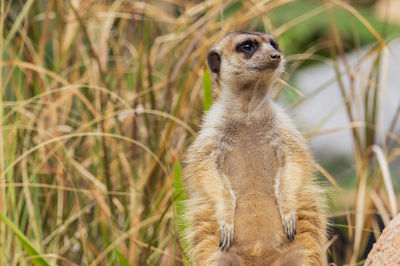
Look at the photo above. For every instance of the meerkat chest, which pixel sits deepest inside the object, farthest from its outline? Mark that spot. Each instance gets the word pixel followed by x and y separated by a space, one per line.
pixel 249 157
pixel 250 163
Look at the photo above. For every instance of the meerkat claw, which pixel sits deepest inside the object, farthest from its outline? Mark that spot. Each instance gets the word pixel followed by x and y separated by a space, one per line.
pixel 289 223
pixel 226 236
pixel 221 237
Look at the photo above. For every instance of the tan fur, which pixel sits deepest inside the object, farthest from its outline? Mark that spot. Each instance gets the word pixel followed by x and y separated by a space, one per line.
pixel 249 173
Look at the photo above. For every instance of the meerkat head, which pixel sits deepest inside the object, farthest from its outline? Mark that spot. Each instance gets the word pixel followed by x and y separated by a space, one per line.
pixel 243 59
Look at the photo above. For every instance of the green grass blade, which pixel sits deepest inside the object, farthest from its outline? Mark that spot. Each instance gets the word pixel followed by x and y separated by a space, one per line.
pixel 207 89
pixel 180 197
pixel 16 25
pixel 37 259
pixel 178 182
pixel 121 258
pixel 179 194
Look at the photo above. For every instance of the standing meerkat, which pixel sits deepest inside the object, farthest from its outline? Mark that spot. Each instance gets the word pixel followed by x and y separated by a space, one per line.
pixel 252 199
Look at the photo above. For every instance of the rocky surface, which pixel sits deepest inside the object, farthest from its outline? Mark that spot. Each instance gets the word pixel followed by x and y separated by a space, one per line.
pixel 386 251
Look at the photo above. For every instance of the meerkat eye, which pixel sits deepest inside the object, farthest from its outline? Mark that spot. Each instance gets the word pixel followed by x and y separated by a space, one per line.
pixel 274 44
pixel 247 47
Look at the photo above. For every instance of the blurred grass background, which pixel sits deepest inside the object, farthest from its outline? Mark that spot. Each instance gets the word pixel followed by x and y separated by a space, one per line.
pixel 99 99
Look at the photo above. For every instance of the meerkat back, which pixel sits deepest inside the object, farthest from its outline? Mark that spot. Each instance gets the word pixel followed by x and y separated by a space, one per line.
pixel 252 199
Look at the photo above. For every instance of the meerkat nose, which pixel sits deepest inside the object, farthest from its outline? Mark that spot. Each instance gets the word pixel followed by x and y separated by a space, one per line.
pixel 275 57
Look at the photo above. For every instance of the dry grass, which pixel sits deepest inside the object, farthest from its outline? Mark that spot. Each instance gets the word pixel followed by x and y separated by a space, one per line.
pixel 99 100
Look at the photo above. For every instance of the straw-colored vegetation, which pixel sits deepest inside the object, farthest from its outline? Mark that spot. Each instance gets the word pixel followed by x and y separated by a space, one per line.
pixel 100 98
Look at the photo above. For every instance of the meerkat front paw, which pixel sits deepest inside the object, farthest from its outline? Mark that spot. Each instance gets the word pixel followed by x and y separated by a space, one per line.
pixel 289 223
pixel 226 235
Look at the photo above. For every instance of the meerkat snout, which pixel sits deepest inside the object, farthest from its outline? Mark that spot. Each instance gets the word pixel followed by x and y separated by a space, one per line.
pixel 269 56
pixel 275 57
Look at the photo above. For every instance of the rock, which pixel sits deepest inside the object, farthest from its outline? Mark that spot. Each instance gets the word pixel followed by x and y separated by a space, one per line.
pixel 386 251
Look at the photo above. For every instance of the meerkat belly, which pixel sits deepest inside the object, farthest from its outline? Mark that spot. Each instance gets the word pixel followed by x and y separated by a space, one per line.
pixel 251 166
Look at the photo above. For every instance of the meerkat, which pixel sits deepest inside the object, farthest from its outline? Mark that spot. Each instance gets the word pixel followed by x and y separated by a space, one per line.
pixel 251 195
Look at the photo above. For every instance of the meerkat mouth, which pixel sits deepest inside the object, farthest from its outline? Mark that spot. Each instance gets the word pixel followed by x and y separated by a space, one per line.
pixel 266 67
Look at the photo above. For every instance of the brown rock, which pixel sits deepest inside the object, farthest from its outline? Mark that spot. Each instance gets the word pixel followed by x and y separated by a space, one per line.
pixel 386 251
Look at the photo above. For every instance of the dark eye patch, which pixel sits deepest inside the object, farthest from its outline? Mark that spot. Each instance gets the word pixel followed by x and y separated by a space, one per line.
pixel 274 44
pixel 247 47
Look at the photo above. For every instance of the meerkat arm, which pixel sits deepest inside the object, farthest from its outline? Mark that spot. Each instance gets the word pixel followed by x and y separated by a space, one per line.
pixel 226 213
pixel 287 184
pixel 225 208
pixel 220 190
pixel 206 175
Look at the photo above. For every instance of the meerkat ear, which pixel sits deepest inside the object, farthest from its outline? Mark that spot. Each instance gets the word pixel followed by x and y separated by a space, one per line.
pixel 214 61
